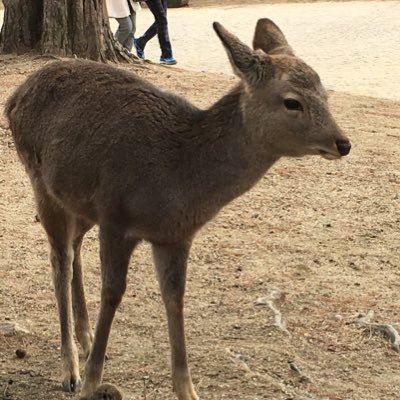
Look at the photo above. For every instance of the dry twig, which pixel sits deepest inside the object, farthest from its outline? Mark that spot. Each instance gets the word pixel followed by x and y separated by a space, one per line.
pixel 302 377
pixel 5 394
pixel 269 300
pixel 365 321
pixel 240 360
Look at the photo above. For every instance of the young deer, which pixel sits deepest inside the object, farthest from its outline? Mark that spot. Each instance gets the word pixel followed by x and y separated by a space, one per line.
pixel 103 146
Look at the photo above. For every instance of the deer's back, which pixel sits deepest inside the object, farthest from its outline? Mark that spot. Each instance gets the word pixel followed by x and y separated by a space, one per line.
pixel 90 131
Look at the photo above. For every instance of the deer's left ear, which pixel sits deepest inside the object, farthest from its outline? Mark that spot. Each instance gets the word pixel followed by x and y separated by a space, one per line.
pixel 269 38
pixel 249 65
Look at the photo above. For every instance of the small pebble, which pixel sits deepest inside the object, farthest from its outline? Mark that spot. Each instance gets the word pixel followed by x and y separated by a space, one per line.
pixel 20 353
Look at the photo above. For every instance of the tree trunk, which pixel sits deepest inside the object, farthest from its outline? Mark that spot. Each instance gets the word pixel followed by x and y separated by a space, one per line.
pixel 60 27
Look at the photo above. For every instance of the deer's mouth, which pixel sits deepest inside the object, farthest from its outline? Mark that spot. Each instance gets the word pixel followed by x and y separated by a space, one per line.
pixel 329 155
pixel 342 148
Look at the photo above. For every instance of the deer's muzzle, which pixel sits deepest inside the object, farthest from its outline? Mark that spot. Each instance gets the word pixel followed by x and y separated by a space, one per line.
pixel 343 147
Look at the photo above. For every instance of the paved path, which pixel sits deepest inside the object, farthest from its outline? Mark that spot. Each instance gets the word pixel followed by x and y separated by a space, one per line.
pixel 355 46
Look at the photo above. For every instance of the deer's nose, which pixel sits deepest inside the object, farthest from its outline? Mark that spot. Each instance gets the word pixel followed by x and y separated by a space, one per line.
pixel 343 147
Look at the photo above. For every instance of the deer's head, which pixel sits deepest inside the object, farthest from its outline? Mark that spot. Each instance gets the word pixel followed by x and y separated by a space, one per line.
pixel 283 98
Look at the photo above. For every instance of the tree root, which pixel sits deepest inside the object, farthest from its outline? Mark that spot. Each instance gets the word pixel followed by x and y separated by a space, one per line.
pixel 364 321
pixel 124 55
pixel 47 56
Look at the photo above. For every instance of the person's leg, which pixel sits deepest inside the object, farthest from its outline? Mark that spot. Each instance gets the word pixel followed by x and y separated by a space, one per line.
pixel 124 29
pixel 159 10
pixel 141 42
pixel 128 43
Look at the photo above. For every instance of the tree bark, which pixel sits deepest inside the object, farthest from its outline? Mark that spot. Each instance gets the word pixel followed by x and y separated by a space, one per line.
pixel 21 25
pixel 63 28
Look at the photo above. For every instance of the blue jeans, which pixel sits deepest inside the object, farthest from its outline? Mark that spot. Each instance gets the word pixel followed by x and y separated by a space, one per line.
pixel 125 33
pixel 159 27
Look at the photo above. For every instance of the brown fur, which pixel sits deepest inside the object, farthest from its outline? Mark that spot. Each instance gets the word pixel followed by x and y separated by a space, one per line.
pixel 103 146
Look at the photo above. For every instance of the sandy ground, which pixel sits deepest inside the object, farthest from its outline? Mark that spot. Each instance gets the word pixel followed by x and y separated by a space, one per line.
pixel 324 233
pixel 355 46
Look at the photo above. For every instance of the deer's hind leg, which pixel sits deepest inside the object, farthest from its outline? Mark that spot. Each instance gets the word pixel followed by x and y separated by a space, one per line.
pixel 83 330
pixel 59 226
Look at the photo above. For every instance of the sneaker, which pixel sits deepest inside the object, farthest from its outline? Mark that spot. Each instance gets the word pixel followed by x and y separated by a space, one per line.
pixel 139 50
pixel 168 60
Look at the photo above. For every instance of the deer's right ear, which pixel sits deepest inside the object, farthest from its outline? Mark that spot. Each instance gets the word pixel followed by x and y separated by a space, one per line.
pixel 249 65
pixel 269 38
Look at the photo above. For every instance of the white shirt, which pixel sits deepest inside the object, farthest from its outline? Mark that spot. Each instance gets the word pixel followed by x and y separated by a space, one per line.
pixel 120 8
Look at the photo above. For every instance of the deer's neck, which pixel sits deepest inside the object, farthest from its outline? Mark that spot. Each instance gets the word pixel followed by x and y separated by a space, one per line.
pixel 231 154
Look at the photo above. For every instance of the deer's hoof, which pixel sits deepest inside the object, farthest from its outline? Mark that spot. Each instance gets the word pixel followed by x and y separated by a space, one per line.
pixel 71 385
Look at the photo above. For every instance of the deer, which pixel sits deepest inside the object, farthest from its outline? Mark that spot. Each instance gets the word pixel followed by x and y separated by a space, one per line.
pixel 103 146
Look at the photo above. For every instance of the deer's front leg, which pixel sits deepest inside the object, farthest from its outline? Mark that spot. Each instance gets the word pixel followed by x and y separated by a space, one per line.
pixel 171 263
pixel 115 252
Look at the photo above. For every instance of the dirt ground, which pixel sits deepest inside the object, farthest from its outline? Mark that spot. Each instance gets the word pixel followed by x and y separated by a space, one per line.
pixel 325 233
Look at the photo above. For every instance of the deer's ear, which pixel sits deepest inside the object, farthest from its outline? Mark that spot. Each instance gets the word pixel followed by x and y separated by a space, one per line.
pixel 269 38
pixel 249 65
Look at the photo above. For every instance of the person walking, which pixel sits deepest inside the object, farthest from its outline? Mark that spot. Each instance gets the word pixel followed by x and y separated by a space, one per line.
pixel 124 11
pixel 159 28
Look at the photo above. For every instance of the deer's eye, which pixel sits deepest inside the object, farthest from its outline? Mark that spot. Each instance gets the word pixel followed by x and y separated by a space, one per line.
pixel 293 105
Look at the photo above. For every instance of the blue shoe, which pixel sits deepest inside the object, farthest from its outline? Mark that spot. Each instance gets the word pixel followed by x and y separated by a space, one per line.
pixel 139 50
pixel 168 60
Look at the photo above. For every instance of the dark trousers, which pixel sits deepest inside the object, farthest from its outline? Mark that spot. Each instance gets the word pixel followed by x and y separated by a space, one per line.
pixel 159 27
